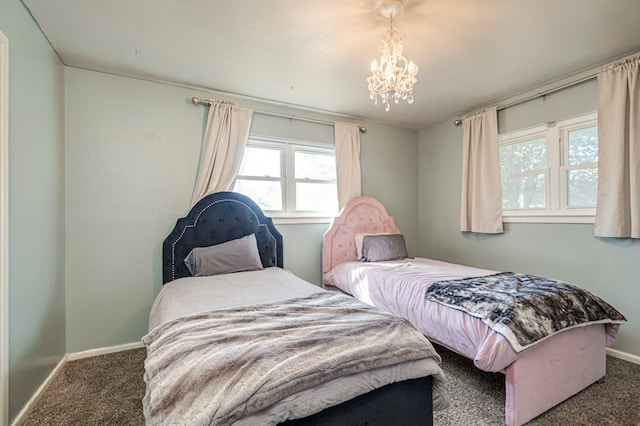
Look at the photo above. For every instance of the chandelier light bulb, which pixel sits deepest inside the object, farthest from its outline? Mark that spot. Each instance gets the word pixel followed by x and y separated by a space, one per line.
pixel 394 77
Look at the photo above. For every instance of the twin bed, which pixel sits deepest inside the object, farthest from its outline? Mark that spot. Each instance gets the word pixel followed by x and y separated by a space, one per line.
pixel 235 339
pixel 539 372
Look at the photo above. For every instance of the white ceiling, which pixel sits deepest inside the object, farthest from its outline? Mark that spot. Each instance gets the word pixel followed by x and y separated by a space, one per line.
pixel 317 53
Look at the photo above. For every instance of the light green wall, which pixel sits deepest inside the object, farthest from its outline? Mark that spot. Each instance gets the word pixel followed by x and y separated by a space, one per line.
pixel 132 151
pixel 131 158
pixel 36 206
pixel 389 173
pixel 608 267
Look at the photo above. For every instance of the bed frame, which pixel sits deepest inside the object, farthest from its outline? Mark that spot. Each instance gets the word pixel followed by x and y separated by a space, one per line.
pixel 224 216
pixel 541 377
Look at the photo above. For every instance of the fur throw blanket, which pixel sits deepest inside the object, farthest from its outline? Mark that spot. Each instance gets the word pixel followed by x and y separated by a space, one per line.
pixel 524 308
pixel 216 367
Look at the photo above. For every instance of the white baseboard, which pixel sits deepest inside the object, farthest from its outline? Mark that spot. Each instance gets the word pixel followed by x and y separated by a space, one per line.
pixel 104 351
pixel 69 357
pixel 38 394
pixel 624 355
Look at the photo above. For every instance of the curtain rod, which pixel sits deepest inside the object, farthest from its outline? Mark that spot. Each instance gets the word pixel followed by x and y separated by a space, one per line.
pixel 539 95
pixel 198 101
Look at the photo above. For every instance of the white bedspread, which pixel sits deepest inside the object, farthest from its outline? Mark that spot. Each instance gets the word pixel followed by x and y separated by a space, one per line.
pixel 399 287
pixel 190 295
pixel 196 294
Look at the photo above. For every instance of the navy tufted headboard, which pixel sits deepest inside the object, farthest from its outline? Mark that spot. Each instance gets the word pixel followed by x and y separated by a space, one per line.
pixel 215 219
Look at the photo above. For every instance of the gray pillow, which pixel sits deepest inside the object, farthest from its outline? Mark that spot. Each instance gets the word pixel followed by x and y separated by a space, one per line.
pixel 376 248
pixel 233 256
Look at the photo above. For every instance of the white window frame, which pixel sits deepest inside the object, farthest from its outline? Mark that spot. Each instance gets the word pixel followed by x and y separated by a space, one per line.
pixel 288 149
pixel 556 209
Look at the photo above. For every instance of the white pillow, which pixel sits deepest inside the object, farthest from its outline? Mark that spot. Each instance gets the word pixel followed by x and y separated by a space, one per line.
pixel 232 256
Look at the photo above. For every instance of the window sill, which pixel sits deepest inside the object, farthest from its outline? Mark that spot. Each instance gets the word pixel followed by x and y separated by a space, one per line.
pixel 528 217
pixel 300 220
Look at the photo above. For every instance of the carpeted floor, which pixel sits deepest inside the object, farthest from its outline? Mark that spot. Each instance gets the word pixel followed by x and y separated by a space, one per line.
pixel 107 390
pixel 477 398
pixel 101 390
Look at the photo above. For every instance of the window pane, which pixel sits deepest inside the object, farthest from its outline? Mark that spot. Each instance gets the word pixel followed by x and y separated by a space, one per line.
pixel 523 156
pixel 316 197
pixel 523 192
pixel 267 194
pixel 583 145
pixel 311 165
pixel 582 187
pixel 260 162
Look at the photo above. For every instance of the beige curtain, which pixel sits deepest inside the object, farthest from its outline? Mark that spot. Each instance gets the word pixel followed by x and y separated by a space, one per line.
pixel 481 204
pixel 225 138
pixel 349 178
pixel 618 210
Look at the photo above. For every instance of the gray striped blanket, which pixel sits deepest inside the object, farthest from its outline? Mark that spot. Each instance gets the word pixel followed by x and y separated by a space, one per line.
pixel 525 309
pixel 216 367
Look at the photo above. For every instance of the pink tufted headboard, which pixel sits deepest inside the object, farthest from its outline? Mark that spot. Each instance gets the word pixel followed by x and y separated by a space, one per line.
pixel 360 215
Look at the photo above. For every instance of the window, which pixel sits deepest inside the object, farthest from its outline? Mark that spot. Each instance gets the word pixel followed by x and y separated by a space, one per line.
pixel 550 173
pixel 289 179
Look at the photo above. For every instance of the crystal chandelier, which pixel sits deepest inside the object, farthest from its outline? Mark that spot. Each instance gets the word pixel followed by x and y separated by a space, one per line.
pixel 393 78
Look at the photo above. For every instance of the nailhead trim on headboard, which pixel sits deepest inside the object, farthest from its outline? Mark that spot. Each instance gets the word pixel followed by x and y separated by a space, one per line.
pixel 264 227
